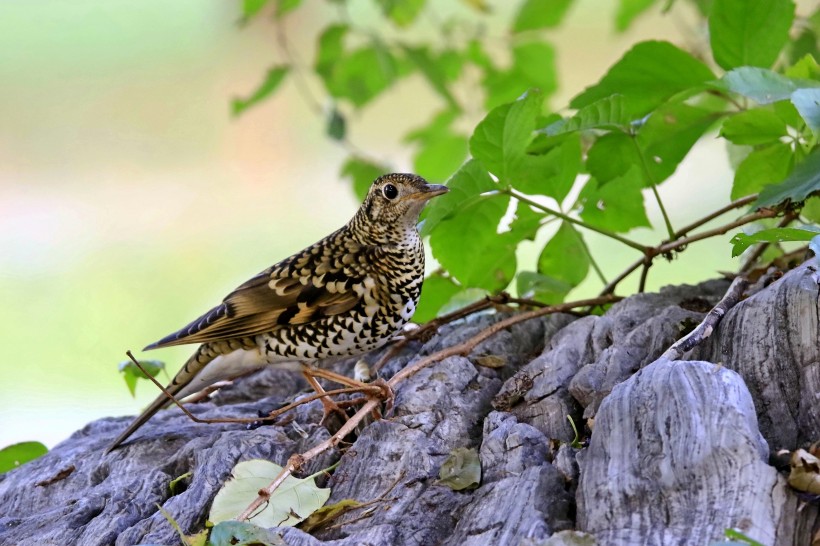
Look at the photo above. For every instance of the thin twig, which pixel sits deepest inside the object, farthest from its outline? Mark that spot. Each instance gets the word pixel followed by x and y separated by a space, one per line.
pixel 720 212
pixel 679 243
pixel 612 235
pixel 683 241
pixel 376 390
pixel 710 321
pixel 652 185
pixel 647 263
pixel 295 462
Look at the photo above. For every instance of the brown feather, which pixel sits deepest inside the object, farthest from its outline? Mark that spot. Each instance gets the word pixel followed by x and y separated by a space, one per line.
pixel 258 306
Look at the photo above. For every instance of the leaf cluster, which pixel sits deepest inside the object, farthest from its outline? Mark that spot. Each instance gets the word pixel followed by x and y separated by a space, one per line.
pixel 528 172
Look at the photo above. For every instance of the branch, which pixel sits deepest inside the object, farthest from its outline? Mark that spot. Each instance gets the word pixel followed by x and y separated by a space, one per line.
pixel 612 235
pixel 677 244
pixel 653 185
pixel 710 321
pixel 295 462
pixel 720 212
pixel 373 389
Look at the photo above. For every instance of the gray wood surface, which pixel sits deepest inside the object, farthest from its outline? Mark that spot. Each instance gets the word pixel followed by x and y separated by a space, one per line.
pixel 679 450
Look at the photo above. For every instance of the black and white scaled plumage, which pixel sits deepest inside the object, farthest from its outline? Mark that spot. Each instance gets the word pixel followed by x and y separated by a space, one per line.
pixel 344 295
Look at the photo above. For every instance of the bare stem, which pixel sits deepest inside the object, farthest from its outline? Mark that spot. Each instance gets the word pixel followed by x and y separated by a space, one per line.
pixel 710 321
pixel 677 244
pixel 612 235
pixel 653 186
pixel 721 211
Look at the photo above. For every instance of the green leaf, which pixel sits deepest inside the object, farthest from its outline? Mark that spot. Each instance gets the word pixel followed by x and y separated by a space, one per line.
pixel 805 45
pixel 533 68
pixel 500 140
pixel 660 145
pixel 17 454
pixel 565 256
pixel 251 8
pixel 762 167
pixel 361 75
pixel 753 127
pixel 759 84
pixel 463 299
pixel 330 50
pixel 466 187
pixel 541 287
pixel 786 111
pixel 804 181
pixel 272 82
pixel 131 373
pixel 552 174
pixel 617 205
pixel 739 538
pixel 611 156
pixel 807 102
pixel 362 173
pixel 336 125
pixel 401 12
pixel 805 68
pixel 441 152
pixel 647 75
pixel 461 470
pixel 669 134
pixel 534 65
pixel 435 292
pixel 292 502
pixel 240 533
pixel 468 245
pixel 283 7
pixel 526 223
pixel 433 71
pixel 536 14
pixel 742 241
pixel 480 6
pixel 607 113
pixel 440 156
pixel 628 10
pixel 358 75
pixel 749 32
pixel 811 210
pixel 175 484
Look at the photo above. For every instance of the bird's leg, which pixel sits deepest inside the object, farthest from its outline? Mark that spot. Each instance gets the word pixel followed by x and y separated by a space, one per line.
pixel 329 405
pixel 378 388
pixel 386 393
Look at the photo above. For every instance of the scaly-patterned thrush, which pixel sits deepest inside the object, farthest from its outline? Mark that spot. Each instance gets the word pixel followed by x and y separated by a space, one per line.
pixel 344 295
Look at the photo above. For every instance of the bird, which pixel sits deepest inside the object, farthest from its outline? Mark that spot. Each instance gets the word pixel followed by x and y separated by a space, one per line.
pixel 345 295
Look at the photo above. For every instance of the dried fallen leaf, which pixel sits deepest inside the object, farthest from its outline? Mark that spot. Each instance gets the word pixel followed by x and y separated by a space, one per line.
pixel 491 361
pixel 805 472
pixel 239 533
pixel 461 470
pixel 325 514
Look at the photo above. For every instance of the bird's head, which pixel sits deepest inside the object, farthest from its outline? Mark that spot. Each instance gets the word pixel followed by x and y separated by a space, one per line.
pixel 395 200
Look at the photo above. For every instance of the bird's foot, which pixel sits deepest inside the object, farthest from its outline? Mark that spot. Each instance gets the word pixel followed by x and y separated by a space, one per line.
pixel 329 408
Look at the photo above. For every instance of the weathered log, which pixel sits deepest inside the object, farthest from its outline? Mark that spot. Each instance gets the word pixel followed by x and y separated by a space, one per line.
pixel 675 455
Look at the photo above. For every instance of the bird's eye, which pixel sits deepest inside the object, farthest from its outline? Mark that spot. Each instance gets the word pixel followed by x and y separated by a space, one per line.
pixel 390 191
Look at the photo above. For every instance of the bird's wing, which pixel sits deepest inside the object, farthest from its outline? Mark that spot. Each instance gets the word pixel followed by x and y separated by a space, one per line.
pixel 279 297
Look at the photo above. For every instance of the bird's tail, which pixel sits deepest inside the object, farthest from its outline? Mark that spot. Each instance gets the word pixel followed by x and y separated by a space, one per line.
pixel 192 367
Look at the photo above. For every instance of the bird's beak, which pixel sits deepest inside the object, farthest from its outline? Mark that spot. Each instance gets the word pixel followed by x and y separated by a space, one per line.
pixel 429 191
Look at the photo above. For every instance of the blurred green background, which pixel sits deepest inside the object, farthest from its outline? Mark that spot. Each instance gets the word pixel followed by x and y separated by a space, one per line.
pixel 131 201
